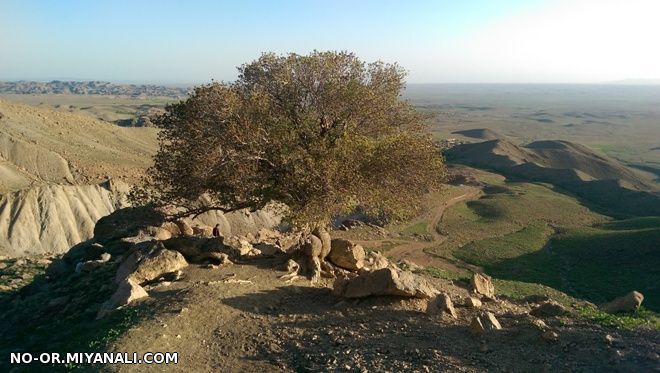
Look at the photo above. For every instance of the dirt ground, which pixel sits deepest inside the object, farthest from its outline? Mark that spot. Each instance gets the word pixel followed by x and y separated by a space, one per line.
pixel 216 324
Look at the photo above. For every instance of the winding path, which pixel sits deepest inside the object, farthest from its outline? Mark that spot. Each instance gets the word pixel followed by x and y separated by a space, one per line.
pixel 414 251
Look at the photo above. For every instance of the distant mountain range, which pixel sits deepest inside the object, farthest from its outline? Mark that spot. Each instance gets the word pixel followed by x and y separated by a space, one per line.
pixel 90 88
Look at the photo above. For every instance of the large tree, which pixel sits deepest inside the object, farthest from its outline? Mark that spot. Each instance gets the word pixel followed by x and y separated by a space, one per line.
pixel 321 133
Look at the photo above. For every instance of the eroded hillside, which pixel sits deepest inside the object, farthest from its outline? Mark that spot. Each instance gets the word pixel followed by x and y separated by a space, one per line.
pixel 54 172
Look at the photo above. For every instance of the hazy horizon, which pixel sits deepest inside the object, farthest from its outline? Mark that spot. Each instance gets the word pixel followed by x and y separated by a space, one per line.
pixel 438 42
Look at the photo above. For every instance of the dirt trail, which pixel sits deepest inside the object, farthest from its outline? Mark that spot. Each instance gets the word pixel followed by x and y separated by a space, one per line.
pixel 414 251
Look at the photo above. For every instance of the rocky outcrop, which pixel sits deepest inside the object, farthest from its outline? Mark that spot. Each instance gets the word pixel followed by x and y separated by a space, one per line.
pixel 627 303
pixel 385 281
pixel 54 218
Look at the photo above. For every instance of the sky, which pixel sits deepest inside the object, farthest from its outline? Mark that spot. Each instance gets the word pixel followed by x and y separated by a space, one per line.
pixel 467 41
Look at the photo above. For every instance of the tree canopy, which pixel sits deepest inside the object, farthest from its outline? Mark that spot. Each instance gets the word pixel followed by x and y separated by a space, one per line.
pixel 321 133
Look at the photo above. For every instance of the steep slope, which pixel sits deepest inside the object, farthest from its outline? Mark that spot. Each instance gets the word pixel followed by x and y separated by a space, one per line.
pixel 54 169
pixel 595 178
pixel 45 146
pixel 52 218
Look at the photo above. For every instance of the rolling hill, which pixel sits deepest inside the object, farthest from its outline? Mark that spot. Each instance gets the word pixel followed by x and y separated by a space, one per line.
pixel 598 180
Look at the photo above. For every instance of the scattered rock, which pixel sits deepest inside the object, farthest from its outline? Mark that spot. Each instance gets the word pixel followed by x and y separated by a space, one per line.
pixel 241 246
pixel 485 322
pixel 237 281
pixel 266 249
pixel 127 292
pixel 91 265
pixel 3 266
pixel 482 284
pixel 291 266
pixel 384 281
pixel 405 263
pixel 539 324
pixel 441 305
pixel 202 230
pixel 149 263
pixel 219 258
pixel 472 302
pixel 346 254
pixel 550 336
pixel 184 228
pixel 627 303
pixel 549 309
pixel 377 261
pixel 162 234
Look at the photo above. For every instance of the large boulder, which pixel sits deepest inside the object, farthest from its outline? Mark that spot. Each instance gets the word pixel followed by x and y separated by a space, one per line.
pixel 627 303
pixel 346 254
pixel 148 262
pixel 386 281
pixel 482 284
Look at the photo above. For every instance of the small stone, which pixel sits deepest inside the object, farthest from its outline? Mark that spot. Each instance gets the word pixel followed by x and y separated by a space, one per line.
pixel 486 321
pixel 549 309
pixel 540 324
pixel 473 302
pixel 441 305
pixel 550 336
pixel 627 303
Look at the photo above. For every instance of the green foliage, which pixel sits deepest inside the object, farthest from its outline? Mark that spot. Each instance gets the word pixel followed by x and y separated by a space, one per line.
pixel 415 229
pixel 613 259
pixel 516 256
pixel 641 317
pixel 500 213
pixel 321 133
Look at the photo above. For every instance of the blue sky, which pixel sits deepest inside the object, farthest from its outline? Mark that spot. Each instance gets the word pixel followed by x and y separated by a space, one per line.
pixel 180 42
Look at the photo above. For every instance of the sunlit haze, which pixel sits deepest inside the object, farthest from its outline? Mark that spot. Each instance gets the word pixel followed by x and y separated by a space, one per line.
pixel 576 41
